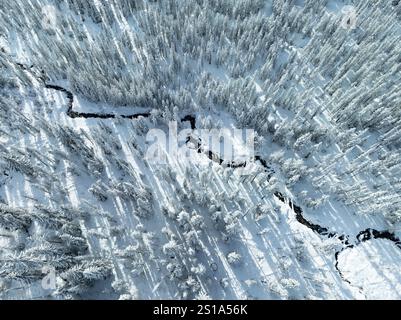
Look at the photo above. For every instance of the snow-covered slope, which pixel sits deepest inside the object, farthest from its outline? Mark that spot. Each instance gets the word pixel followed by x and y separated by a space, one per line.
pixel 311 213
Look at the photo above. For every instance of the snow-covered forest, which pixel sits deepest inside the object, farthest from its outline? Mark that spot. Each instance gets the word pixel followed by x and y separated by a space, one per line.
pixel 84 214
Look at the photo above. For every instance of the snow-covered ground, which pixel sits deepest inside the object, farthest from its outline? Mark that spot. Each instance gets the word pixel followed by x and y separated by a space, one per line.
pixel 374 269
pixel 85 214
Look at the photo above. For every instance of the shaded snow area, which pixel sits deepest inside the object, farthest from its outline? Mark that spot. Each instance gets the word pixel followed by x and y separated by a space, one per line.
pixel 219 149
